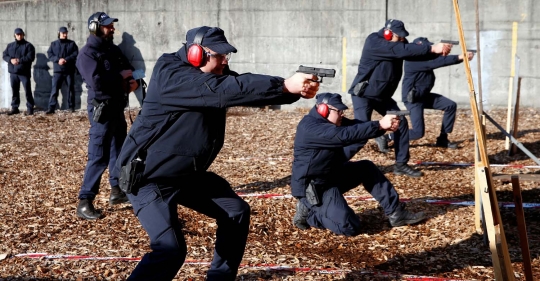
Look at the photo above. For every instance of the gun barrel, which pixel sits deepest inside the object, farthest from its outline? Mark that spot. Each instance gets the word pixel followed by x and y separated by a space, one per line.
pixel 472 51
pixel 321 72
pixel 398 112
pixel 450 42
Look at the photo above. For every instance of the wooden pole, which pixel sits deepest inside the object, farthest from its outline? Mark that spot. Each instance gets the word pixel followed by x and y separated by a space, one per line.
pixel 522 229
pixel 477 196
pixel 513 147
pixel 499 249
pixel 511 83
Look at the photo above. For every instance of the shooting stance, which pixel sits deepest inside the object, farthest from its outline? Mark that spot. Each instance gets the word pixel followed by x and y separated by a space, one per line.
pixel 322 172
pixel 176 137
pixel 416 94
pixel 379 72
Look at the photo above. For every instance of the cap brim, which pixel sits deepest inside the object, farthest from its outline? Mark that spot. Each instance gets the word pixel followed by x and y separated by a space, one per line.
pixel 109 21
pixel 402 33
pixel 340 106
pixel 222 48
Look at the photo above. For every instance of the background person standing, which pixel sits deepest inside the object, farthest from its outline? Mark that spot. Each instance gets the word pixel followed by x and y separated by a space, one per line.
pixel 63 54
pixel 20 55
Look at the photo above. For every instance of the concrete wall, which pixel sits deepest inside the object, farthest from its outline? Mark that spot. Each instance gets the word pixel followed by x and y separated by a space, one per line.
pixel 274 37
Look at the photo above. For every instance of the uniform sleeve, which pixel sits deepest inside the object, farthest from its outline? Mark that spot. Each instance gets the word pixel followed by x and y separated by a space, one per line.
pixel 30 54
pixel 381 49
pixel 6 56
pixel 50 53
pixel 222 91
pixel 74 53
pixel 327 135
pixel 440 61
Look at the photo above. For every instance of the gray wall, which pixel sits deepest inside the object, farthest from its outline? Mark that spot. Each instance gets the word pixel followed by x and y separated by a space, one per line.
pixel 274 37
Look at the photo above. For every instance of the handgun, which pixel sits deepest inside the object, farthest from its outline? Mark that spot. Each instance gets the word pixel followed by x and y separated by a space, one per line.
pixel 472 51
pixel 450 42
pixel 398 112
pixel 320 72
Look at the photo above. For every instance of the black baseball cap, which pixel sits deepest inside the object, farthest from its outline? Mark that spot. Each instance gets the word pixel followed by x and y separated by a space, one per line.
pixel 331 99
pixel 18 30
pixel 422 41
pixel 213 38
pixel 397 27
pixel 63 29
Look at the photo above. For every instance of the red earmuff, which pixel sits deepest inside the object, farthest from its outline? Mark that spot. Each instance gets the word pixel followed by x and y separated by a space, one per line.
pixel 195 52
pixel 322 107
pixel 388 34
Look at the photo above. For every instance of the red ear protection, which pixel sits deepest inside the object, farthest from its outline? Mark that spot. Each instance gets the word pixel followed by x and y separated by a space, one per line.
pixel 322 108
pixel 388 34
pixel 196 53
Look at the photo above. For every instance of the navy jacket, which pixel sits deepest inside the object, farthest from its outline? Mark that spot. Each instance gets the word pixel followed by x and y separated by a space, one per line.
pixel 182 120
pixel 99 62
pixel 381 64
pixel 319 148
pixel 420 76
pixel 66 49
pixel 25 52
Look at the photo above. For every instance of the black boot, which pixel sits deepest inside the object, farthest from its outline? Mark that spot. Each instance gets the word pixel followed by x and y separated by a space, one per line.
pixel 382 143
pixel 50 111
pixel 444 142
pixel 404 169
pixel 29 111
pixel 117 196
pixel 300 218
pixel 14 111
pixel 86 210
pixel 402 217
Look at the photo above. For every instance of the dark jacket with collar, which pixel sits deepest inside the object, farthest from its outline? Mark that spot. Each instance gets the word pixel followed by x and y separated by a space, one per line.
pixel 182 120
pixel 66 49
pixel 381 64
pixel 319 148
pixel 99 62
pixel 25 52
pixel 420 76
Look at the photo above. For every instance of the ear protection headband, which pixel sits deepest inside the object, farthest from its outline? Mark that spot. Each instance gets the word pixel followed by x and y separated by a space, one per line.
pixel 322 107
pixel 388 34
pixel 196 53
pixel 93 25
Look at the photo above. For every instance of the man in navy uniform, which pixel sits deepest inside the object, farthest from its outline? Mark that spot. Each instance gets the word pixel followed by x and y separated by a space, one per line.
pixel 418 81
pixel 108 77
pixel 20 55
pixel 63 54
pixel 379 72
pixel 322 172
pixel 178 134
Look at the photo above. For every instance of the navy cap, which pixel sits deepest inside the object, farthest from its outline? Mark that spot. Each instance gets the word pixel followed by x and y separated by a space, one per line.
pixel 331 99
pixel 63 29
pixel 214 38
pixel 422 41
pixel 18 31
pixel 104 19
pixel 397 27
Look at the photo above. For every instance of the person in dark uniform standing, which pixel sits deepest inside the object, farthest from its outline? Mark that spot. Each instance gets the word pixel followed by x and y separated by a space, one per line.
pixel 178 134
pixel 416 94
pixel 20 55
pixel 108 77
pixel 379 72
pixel 63 53
pixel 322 171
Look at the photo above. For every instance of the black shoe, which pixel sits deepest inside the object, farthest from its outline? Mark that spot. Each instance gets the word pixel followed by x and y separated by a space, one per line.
pixel 86 210
pixel 49 111
pixel 443 142
pixel 382 143
pixel 29 111
pixel 300 218
pixel 404 169
pixel 14 111
pixel 402 217
pixel 117 196
pixel 72 109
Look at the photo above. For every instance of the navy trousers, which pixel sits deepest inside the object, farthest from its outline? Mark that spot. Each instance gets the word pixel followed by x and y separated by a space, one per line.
pixel 57 82
pixel 156 207
pixel 335 214
pixel 16 80
pixel 431 101
pixel 363 108
pixel 104 144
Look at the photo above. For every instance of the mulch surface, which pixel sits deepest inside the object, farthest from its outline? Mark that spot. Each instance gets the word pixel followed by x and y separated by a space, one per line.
pixel 42 161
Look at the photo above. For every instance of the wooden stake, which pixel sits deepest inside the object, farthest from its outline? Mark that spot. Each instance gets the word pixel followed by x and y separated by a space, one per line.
pixel 522 229
pixel 513 147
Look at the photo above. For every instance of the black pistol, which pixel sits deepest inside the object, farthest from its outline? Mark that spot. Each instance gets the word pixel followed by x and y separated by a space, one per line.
pixel 472 51
pixel 320 72
pixel 450 42
pixel 398 112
